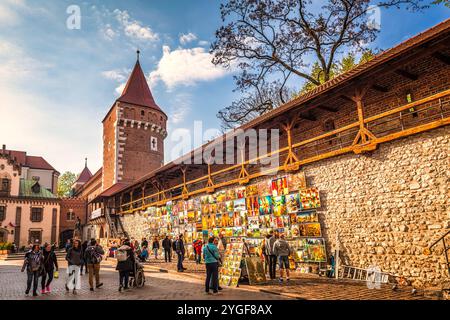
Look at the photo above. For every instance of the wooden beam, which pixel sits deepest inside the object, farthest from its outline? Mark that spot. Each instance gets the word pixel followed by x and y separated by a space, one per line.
pixel 442 57
pixel 326 108
pixel 407 74
pixel 380 88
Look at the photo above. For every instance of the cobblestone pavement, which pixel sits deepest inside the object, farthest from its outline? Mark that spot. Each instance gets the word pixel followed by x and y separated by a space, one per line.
pixel 163 282
pixel 302 286
pixel 159 286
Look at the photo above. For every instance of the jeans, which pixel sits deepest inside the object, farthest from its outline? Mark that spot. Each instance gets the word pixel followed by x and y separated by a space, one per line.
pixel 168 255
pixel 272 266
pixel 155 252
pixel 32 277
pixel 212 274
pixel 180 261
pixel 48 273
pixel 123 278
pixel 198 258
pixel 94 270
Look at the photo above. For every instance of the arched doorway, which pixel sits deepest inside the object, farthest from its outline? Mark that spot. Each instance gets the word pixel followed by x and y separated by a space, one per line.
pixel 65 235
pixel 3 235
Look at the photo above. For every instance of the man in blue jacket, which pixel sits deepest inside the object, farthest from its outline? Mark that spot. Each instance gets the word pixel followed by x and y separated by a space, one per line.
pixel 212 256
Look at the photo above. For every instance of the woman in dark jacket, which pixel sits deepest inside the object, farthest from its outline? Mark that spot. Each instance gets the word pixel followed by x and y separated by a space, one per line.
pixel 126 266
pixel 74 260
pixel 34 262
pixel 50 263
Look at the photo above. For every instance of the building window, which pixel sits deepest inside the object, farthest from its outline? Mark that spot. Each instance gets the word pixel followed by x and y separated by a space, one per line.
pixel 70 216
pixel 328 125
pixel 2 213
pixel 5 187
pixel 36 214
pixel 153 144
pixel 35 236
pixel 142 113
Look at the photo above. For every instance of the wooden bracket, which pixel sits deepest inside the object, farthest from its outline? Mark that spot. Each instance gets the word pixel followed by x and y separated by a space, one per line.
pixel 364 138
pixel 243 174
pixel 210 184
pixel 291 163
pixel 184 192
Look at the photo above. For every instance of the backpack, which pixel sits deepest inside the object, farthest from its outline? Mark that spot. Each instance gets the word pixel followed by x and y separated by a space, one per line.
pixel 121 255
pixel 35 265
pixel 94 256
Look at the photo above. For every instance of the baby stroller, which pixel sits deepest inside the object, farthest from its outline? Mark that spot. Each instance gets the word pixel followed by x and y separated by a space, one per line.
pixel 137 277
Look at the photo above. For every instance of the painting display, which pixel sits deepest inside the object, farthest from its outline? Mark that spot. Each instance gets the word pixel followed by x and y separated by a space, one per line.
pixel 230 272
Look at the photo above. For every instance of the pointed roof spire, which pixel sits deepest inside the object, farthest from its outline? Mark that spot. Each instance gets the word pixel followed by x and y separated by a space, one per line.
pixel 85 175
pixel 85 162
pixel 137 90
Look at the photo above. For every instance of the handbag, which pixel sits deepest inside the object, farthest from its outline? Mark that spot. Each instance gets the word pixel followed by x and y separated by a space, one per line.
pixel 219 261
pixel 56 274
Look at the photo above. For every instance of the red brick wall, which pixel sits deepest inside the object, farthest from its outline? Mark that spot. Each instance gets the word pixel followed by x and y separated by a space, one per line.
pixel 78 205
pixel 109 149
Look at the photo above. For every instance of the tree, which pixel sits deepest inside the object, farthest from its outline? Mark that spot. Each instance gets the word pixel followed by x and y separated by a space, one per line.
pixel 65 182
pixel 269 40
pixel 444 2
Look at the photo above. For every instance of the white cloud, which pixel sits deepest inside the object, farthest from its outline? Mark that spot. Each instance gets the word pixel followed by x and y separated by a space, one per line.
pixel 133 28
pixel 108 32
pixel 186 38
pixel 185 67
pixel 116 75
pixel 120 89
pixel 180 108
pixel 203 43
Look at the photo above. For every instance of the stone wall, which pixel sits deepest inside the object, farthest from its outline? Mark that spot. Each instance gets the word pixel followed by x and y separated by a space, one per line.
pixel 387 207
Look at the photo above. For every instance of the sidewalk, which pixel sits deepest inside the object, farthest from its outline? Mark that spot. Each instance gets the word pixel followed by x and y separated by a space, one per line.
pixel 301 286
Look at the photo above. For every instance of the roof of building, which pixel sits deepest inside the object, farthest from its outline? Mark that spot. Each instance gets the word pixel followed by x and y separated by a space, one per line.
pixel 84 176
pixel 137 90
pixel 26 190
pixel 114 189
pixel 33 162
pixel 336 83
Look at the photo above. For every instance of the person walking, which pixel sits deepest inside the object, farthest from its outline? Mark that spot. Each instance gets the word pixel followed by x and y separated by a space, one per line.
pixel 212 257
pixel 34 263
pixel 84 264
pixel 180 250
pixel 167 246
pixel 50 263
pixel 198 244
pixel 125 264
pixel 282 250
pixel 144 243
pixel 74 260
pixel 93 257
pixel 272 257
pixel 155 247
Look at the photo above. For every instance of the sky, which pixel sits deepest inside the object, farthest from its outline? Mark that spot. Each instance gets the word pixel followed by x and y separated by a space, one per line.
pixel 57 81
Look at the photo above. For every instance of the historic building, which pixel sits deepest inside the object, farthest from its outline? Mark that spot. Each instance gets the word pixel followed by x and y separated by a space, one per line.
pixel 29 209
pixel 134 130
pixel 375 141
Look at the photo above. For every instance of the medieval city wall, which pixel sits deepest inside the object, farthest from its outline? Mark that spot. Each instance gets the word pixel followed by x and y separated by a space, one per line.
pixel 386 206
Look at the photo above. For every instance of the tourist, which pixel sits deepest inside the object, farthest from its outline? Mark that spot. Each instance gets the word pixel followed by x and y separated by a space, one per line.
pixel 93 257
pixel 167 246
pixel 155 247
pixel 197 244
pixel 50 263
pixel 264 253
pixel 144 243
pixel 34 263
pixel 84 265
pixel 125 264
pixel 144 254
pixel 180 250
pixel 174 249
pixel 282 250
pixel 136 246
pixel 211 256
pixel 270 241
pixel 74 260
pixel 68 245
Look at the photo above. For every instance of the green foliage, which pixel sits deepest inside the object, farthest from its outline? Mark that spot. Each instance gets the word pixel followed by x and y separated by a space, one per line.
pixel 444 2
pixel 65 182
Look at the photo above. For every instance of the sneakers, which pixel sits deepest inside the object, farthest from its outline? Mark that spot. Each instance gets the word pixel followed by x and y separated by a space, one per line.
pixel 47 288
pixel 27 292
pixel 280 280
pixel 74 291
pixel 120 288
pixel 99 285
pixel 35 294
pixel 43 291
pixel 92 289
pixel 67 288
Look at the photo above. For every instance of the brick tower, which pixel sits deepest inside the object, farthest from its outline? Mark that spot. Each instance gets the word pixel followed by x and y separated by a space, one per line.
pixel 133 133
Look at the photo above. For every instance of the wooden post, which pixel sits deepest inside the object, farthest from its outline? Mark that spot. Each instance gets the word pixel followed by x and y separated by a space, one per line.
pixel 184 192
pixel 363 135
pixel 210 184
pixel 291 163
pixel 243 174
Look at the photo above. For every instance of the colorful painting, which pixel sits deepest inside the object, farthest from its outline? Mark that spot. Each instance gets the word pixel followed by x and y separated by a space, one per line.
pixel 251 190
pixel 231 194
pixel 221 196
pixel 309 216
pixel 265 221
pixel 239 205
pixel 279 187
pixel 310 230
pixel 264 188
pixel 279 206
pixel 309 198
pixel 265 205
pixel 240 193
pixel 293 203
pixel 252 205
pixel 297 181
pixel 230 206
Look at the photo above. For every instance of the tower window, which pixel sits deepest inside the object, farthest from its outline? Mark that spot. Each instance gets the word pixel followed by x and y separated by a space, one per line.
pixel 153 144
pixel 142 113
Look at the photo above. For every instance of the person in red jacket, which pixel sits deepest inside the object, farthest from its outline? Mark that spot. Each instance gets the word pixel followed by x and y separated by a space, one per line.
pixel 198 244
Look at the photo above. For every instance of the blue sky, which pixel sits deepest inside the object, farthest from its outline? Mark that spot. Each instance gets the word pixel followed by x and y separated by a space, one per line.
pixel 57 84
